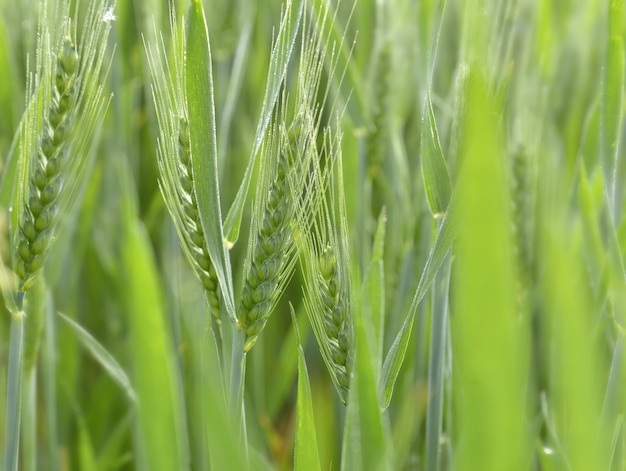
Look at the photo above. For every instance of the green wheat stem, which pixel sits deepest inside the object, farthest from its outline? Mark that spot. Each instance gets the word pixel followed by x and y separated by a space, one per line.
pixel 29 420
pixel 437 352
pixel 14 393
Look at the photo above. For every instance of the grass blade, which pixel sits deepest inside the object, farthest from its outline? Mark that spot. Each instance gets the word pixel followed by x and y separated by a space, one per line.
pixel 613 95
pixel 102 356
pixel 489 342
pixel 306 455
pixel 434 169
pixel 374 292
pixel 367 441
pixel 199 77
pixel 160 437
pixel 395 356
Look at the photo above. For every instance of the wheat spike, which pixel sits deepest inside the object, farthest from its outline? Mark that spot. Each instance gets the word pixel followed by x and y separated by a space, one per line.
pixel 42 202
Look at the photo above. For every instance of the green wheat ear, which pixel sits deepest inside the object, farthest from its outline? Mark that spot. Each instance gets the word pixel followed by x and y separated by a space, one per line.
pixel 175 161
pixel 44 186
pixel 290 185
pixel 270 255
pixel 55 146
pixel 325 264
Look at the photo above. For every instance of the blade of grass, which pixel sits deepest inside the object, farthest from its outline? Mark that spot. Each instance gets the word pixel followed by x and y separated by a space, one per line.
pixel 613 95
pixel 434 169
pixel 395 356
pixel 102 356
pixel 160 427
pixel 374 292
pixel 306 455
pixel 200 99
pixel 367 441
pixel 490 344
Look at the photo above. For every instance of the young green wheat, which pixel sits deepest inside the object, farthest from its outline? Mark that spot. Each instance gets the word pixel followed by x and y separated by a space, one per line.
pixel 53 162
pixel 175 162
pixel 325 262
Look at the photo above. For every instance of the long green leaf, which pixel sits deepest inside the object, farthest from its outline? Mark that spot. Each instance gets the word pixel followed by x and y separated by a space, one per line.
pixel 374 292
pixel 199 79
pixel 613 96
pixel 395 355
pixel 367 442
pixel 102 356
pixel 436 366
pixel 161 438
pixel 306 456
pixel 434 169
pixel 489 341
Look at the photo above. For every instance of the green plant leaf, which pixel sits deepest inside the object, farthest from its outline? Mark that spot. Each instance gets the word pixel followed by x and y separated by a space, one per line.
pixel 306 456
pixel 102 356
pixel 199 79
pixel 161 438
pixel 434 169
pixel 367 442
pixel 613 96
pixel 374 292
pixel 279 60
pixel 395 355
pixel 490 339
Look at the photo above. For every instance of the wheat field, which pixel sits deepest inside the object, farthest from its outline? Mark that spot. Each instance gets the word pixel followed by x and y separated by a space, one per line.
pixel 312 235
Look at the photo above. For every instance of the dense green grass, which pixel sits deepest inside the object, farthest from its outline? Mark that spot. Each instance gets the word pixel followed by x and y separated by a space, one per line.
pixel 464 171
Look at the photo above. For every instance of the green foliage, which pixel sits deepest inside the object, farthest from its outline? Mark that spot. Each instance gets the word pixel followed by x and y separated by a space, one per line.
pixel 413 211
